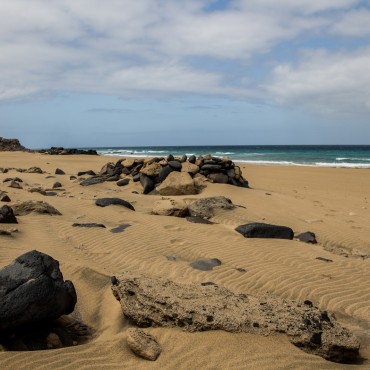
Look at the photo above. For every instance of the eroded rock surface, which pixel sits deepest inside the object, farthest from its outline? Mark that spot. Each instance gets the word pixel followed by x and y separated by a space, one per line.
pixel 34 206
pixel 193 307
pixel 205 207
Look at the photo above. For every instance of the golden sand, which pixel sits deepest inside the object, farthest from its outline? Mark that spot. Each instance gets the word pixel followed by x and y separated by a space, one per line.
pixel 332 203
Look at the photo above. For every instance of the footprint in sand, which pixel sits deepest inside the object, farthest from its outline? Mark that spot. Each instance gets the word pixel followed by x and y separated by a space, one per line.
pixel 173 228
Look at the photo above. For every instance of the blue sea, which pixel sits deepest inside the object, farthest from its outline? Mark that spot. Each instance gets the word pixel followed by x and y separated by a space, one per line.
pixel 350 156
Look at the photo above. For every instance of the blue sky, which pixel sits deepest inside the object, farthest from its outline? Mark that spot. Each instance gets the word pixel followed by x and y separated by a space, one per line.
pixel 160 72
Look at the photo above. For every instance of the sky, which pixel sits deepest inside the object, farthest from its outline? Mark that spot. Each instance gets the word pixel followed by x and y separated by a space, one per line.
pixel 92 73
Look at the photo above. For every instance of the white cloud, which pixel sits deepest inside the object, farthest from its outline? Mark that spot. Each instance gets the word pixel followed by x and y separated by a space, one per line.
pixel 325 82
pixel 131 47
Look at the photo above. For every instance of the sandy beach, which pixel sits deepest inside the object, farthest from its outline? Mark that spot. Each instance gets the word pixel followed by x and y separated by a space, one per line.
pixel 331 202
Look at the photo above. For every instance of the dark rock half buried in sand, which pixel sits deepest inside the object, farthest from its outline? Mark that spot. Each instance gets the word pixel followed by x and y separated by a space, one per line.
pixel 260 230
pixel 89 225
pixel 92 181
pixel 32 289
pixel 34 206
pixel 161 302
pixel 104 202
pixel 7 215
pixel 307 237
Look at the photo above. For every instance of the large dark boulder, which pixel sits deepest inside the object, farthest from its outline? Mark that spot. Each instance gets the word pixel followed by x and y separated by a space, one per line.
pixel 165 171
pixel 7 215
pixel 104 202
pixel 260 230
pixel 32 289
pixel 147 183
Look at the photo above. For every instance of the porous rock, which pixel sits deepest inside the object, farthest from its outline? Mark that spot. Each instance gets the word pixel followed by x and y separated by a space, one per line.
pixel 32 289
pixel 7 215
pixel 170 207
pixel 159 302
pixel 261 230
pixel 34 206
pixel 205 207
pixel 104 202
pixel 143 344
pixel 152 169
pixel 177 183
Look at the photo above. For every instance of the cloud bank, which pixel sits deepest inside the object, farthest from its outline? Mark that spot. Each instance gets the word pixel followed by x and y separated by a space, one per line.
pixel 310 54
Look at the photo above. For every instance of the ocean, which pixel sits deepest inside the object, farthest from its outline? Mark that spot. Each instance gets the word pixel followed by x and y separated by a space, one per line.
pixel 350 156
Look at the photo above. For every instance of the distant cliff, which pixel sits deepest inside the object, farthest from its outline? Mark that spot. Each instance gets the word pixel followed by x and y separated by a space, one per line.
pixel 11 145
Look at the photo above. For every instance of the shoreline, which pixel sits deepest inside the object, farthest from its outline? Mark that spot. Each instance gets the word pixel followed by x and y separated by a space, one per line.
pixel 331 202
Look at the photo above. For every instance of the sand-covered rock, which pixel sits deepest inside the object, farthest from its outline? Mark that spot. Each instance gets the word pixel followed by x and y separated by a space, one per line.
pixel 34 206
pixel 159 302
pixel 143 344
pixel 307 237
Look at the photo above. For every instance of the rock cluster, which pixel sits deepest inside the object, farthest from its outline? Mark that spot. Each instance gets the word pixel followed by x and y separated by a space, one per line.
pixel 171 176
pixel 160 302
pixel 63 151
pixel 10 145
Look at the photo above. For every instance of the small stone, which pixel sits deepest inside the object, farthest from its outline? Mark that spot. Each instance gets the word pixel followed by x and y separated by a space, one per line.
pixel 143 344
pixel 15 185
pixel 58 171
pixel 57 185
pixel 205 265
pixel 123 182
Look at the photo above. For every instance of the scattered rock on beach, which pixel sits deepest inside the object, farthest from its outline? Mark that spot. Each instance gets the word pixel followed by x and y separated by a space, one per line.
pixel 307 237
pixel 205 207
pixel 119 228
pixel 58 171
pixel 89 172
pixel 123 182
pixel 34 170
pixel 260 230
pixel 34 206
pixel 7 215
pixel 89 225
pixel 32 289
pixel 205 265
pixel 57 184
pixel 143 344
pixel 104 202
pixel 199 220
pixel 15 185
pixel 92 181
pixel 159 302
pixel 4 197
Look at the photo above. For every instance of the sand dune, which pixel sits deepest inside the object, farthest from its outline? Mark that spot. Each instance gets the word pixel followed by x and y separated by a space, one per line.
pixel 330 202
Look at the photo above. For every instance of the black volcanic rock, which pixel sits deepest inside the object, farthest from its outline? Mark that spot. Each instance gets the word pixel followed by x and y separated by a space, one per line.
pixel 147 183
pixel 10 145
pixel 104 202
pixel 32 290
pixel 260 230
pixel 7 215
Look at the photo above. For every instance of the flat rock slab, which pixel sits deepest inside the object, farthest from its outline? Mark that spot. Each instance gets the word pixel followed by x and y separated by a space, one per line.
pixel 205 207
pixel 92 181
pixel 32 289
pixel 199 220
pixel 33 206
pixel 143 344
pixel 205 265
pixel 119 228
pixel 89 225
pixel 104 202
pixel 260 230
pixel 160 302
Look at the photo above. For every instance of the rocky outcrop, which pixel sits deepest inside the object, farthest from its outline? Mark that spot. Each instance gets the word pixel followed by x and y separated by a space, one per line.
pixel 260 230
pixel 11 145
pixel 160 302
pixel 156 173
pixel 63 151
pixel 34 206
pixel 32 290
